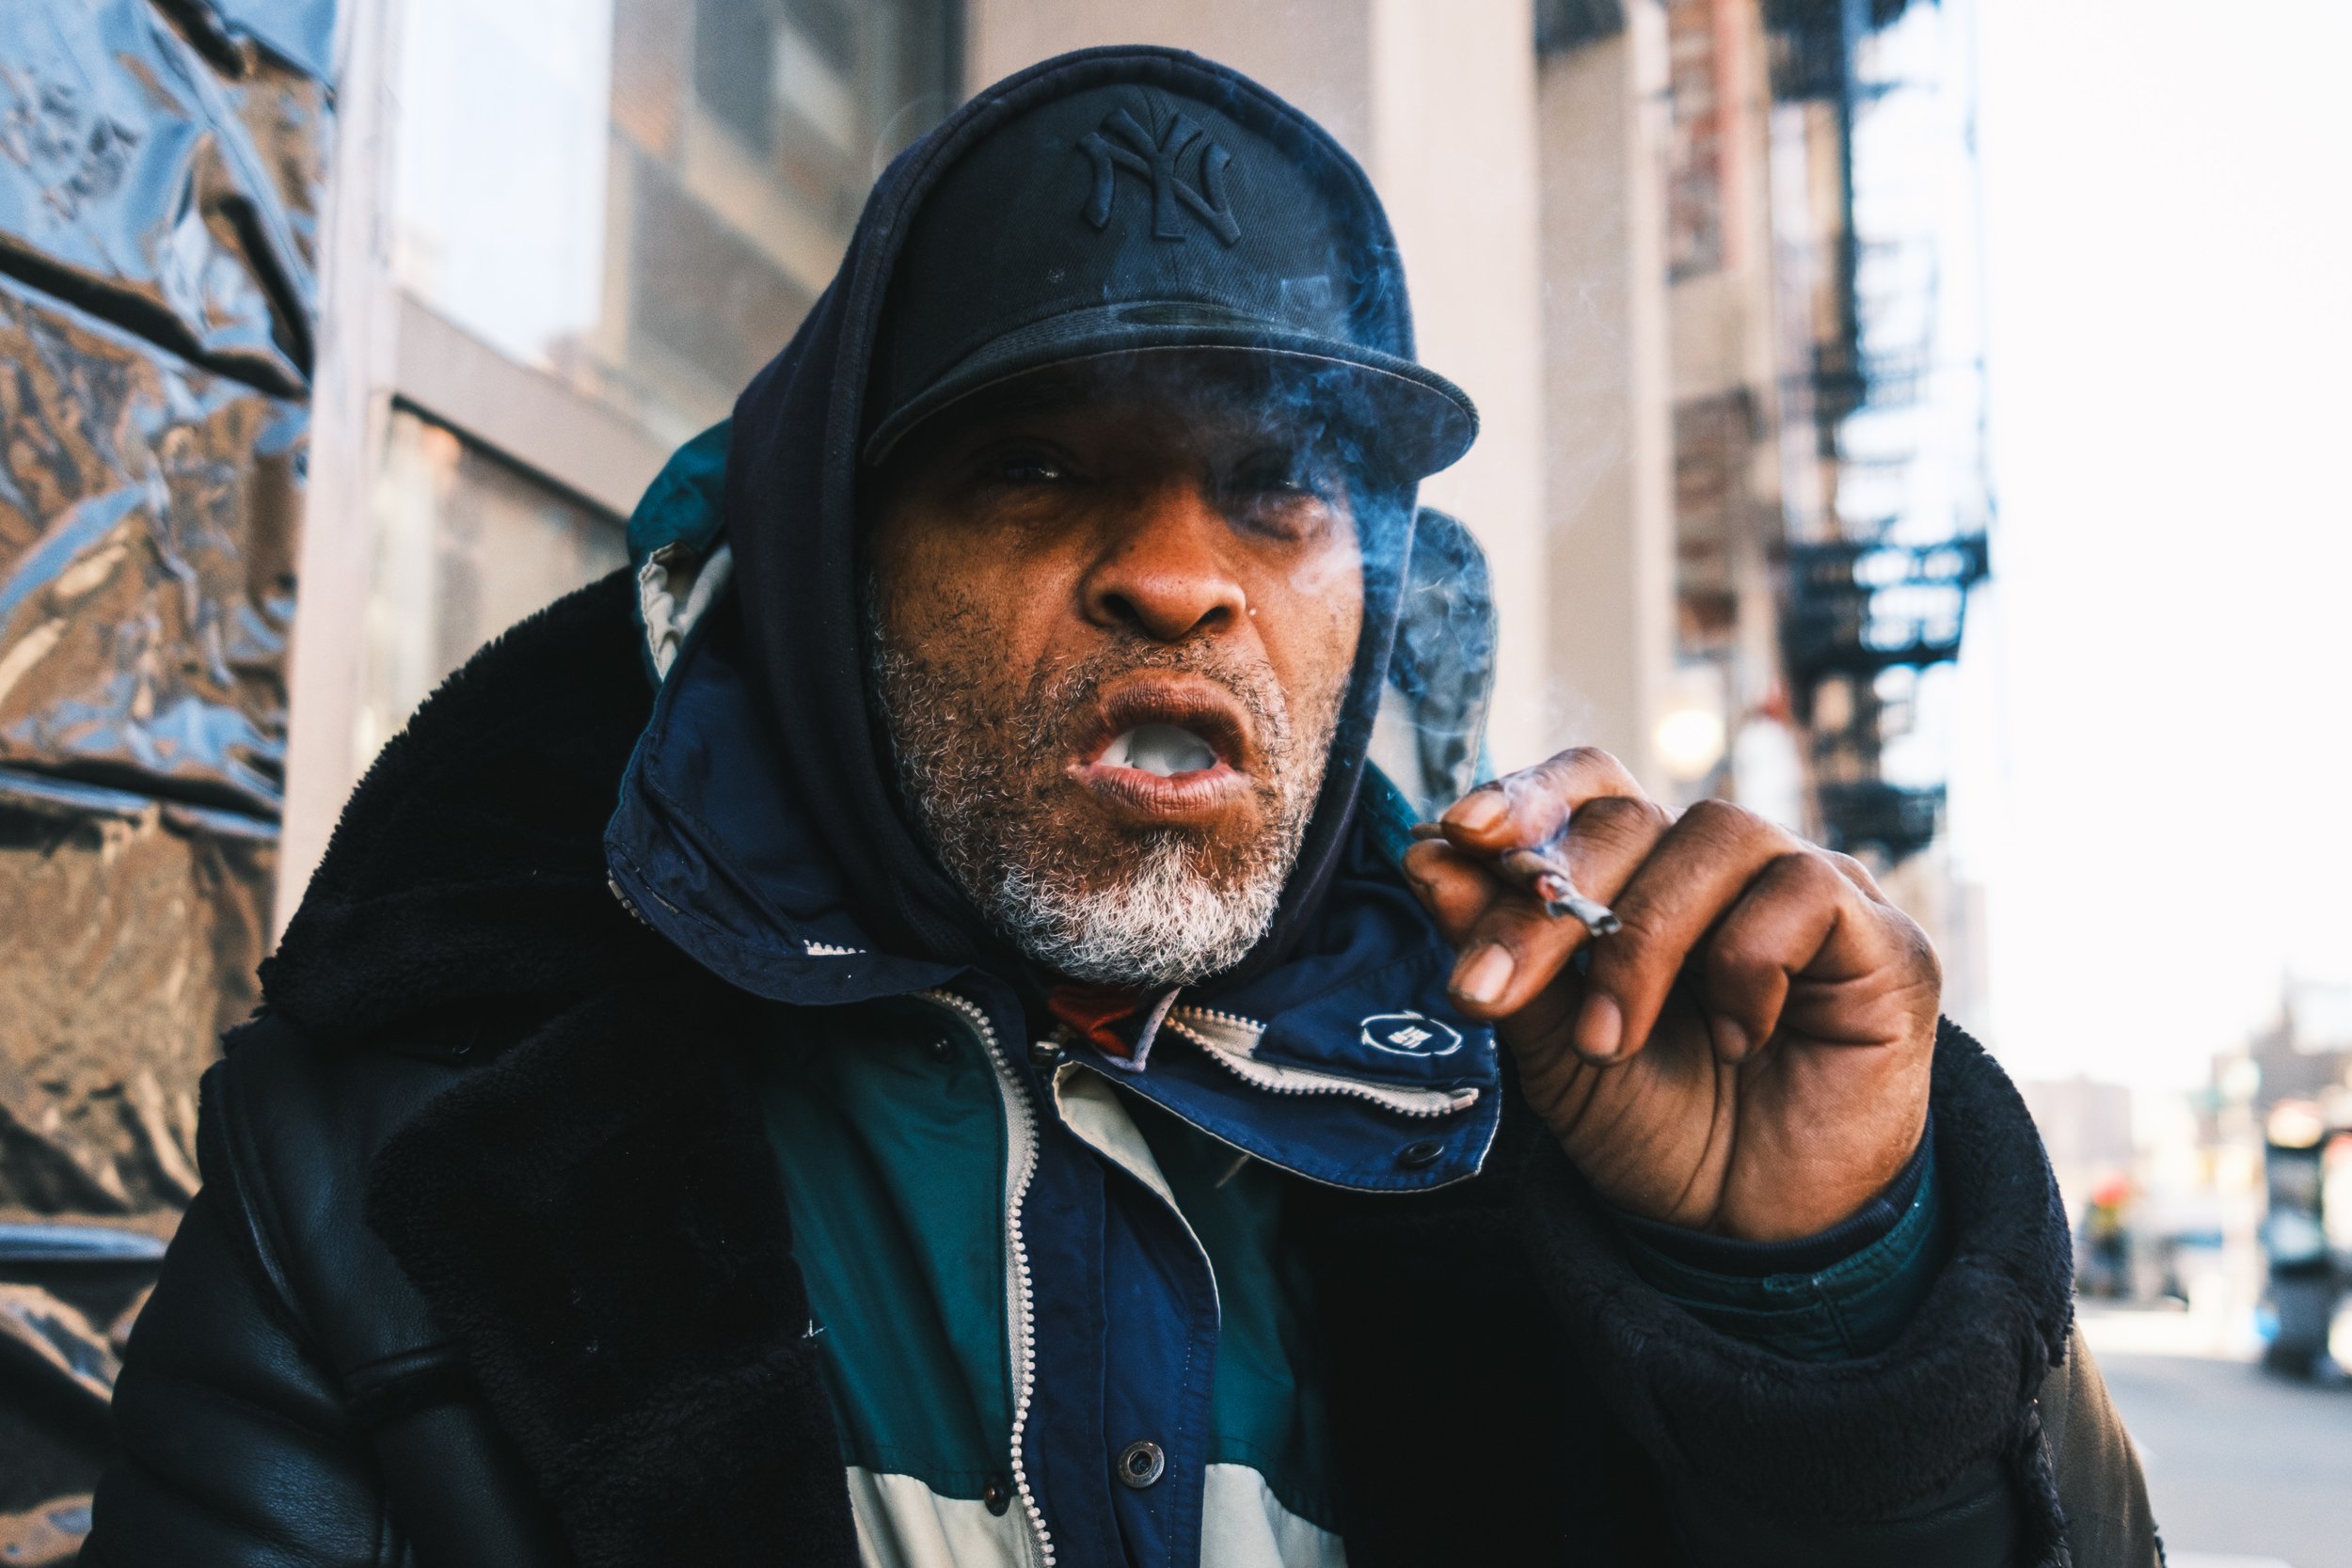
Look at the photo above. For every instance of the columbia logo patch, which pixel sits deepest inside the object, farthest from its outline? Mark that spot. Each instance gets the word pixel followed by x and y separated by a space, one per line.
pixel 1409 1034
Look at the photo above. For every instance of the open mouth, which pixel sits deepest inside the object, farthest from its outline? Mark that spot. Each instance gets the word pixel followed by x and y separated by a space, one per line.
pixel 1163 750
pixel 1167 749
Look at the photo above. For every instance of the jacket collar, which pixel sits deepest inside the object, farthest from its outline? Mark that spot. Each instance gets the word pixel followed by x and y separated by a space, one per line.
pixel 708 849
pixel 707 846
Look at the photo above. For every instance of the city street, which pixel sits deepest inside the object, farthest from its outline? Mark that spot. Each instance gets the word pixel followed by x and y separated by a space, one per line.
pixel 2244 1470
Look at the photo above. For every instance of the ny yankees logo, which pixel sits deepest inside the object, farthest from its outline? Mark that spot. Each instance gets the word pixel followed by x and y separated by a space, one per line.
pixel 1157 162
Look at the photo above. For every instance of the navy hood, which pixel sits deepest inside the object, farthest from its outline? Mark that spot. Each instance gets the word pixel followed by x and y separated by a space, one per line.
pixel 761 804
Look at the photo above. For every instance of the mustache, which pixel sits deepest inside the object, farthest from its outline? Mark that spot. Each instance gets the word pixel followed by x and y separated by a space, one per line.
pixel 1058 698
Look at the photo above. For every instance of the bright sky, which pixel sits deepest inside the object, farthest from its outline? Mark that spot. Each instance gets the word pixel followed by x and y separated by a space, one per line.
pixel 2158 689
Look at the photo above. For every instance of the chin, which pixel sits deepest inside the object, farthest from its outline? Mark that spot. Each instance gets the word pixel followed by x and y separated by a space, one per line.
pixel 1217 843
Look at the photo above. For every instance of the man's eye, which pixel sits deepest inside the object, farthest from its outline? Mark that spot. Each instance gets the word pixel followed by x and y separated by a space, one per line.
pixel 1278 479
pixel 1029 468
pixel 1282 492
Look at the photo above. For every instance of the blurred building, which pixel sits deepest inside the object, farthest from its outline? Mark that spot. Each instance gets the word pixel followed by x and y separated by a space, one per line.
pixel 1729 479
pixel 2220 1185
pixel 2287 1099
pixel 2306 1054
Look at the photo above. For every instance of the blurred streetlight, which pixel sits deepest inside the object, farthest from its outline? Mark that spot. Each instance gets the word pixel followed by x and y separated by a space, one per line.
pixel 1691 733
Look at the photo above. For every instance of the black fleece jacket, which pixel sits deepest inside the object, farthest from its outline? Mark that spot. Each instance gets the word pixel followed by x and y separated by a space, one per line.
pixel 492 1264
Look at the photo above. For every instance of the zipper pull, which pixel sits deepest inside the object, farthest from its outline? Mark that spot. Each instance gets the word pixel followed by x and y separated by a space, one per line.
pixel 615 883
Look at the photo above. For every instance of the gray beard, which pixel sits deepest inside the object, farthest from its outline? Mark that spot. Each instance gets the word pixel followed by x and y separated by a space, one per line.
pixel 1166 911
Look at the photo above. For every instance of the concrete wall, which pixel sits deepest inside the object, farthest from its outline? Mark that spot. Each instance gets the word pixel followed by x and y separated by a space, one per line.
pixel 1608 461
pixel 1455 156
pixel 1316 53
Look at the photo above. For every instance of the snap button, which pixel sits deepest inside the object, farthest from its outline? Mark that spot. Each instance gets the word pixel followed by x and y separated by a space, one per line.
pixel 1420 1152
pixel 996 1493
pixel 941 1050
pixel 1141 1464
pixel 1044 1053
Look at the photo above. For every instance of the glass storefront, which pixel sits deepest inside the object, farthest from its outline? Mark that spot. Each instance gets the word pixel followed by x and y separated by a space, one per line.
pixel 635 202
pixel 466 545
pixel 641 198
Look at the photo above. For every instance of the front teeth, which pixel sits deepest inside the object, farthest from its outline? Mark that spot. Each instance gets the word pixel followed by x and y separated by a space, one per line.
pixel 1160 749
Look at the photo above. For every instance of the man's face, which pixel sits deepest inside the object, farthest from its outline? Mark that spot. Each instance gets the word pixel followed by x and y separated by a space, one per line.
pixel 1115 616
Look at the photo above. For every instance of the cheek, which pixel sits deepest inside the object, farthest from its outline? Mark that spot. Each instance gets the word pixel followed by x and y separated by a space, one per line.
pixel 1310 621
pixel 952 601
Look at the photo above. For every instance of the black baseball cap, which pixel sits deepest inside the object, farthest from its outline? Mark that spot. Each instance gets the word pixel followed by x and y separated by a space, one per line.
pixel 1173 210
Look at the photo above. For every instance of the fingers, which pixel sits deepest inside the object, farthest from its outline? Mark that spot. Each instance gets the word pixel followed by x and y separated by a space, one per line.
pixel 1859 874
pixel 1530 807
pixel 1501 934
pixel 1454 887
pixel 1510 948
pixel 1745 912
pixel 1780 924
pixel 1722 901
pixel 1513 949
pixel 1700 868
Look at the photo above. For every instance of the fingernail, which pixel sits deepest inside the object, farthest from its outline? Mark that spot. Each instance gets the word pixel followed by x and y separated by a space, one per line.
pixel 1599 1028
pixel 1485 975
pixel 1479 812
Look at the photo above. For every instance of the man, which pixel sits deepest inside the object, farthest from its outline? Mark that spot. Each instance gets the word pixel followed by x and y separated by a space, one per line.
pixel 1003 1086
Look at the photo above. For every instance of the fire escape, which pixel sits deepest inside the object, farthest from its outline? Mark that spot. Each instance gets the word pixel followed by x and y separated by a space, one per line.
pixel 1874 577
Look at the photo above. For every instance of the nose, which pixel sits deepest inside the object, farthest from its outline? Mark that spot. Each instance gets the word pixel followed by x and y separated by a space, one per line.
pixel 1164 571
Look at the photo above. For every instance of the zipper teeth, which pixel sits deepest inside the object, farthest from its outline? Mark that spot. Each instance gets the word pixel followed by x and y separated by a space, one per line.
pixel 615 883
pixel 1022 1118
pixel 1283 1083
pixel 1221 1017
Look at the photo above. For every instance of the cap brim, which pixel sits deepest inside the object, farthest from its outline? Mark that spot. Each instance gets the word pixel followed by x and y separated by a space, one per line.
pixel 1416 422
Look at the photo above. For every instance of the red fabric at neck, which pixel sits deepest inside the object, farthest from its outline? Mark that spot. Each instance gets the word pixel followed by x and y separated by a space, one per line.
pixel 1092 1009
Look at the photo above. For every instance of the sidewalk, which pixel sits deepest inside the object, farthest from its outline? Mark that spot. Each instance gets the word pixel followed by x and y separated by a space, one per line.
pixel 2245 1470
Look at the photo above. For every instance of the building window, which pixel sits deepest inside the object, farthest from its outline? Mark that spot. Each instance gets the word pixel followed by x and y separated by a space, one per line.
pixel 466 545
pixel 641 198
pixel 606 216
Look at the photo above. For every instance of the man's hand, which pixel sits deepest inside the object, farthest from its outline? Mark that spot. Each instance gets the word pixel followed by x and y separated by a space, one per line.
pixel 1749 1056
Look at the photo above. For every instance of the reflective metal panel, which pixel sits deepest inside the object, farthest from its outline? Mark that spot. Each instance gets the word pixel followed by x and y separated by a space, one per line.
pixel 160 172
pixel 133 932
pixel 300 32
pixel 289 115
pixel 147 518
pixel 129 184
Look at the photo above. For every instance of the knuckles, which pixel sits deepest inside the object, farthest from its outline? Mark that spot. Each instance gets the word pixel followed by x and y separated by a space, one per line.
pixel 1809 874
pixel 1579 758
pixel 1618 822
pixel 1857 873
pixel 1589 764
pixel 1734 966
pixel 1725 824
pixel 1911 940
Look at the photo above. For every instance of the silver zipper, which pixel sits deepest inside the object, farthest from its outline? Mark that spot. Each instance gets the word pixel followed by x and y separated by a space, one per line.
pixel 615 883
pixel 1281 1077
pixel 1020 1307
